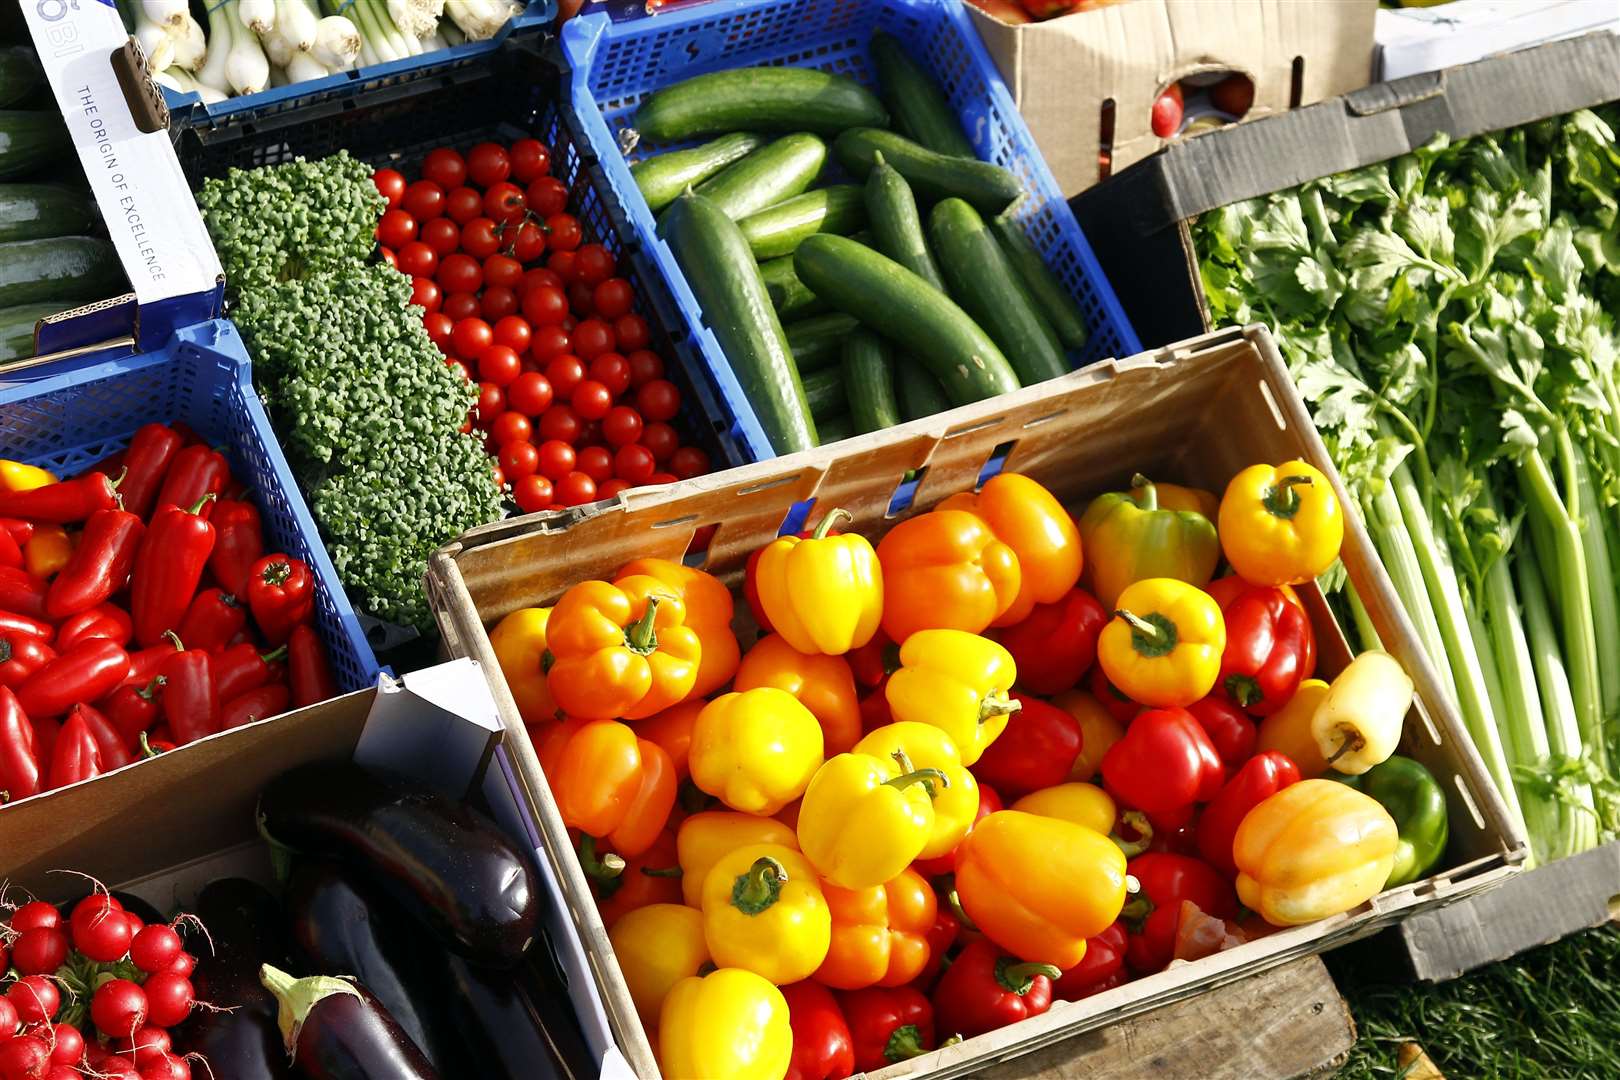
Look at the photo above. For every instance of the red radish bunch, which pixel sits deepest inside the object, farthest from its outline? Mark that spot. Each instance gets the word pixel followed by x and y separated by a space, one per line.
pixel 573 401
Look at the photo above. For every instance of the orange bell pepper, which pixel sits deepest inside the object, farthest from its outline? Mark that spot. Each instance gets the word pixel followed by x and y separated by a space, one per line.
pixel 620 651
pixel 672 730
pixel 608 783
pixel 709 608
pixel 945 570
pixel 652 877
pixel 1029 519
pixel 823 684
pixel 1099 729
pixel 879 935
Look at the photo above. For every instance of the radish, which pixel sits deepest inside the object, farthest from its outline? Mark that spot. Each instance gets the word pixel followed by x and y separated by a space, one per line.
pixel 35 998
pixel 25 1057
pixel 155 948
pixel 167 1067
pixel 148 1045
pixel 118 1008
pixel 40 951
pixel 67 1044
pixel 168 999
pixel 36 914
pixel 100 929
pixel 8 1019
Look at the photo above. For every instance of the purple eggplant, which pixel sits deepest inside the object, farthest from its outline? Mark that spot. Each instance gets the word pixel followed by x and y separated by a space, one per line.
pixel 336 1030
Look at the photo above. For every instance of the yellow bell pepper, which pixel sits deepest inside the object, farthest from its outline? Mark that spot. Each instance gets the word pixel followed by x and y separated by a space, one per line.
pixel 728 1025
pixel 1163 647
pixel 1177 497
pixel 1313 849
pixel 657 946
pixel 1133 537
pixel 927 747
pixel 47 551
pixel 1282 524
pixel 756 750
pixel 706 838
pixel 864 819
pixel 1358 723
pixel 958 682
pixel 1083 804
pixel 15 476
pixel 519 641
pixel 1288 730
pixel 763 910
pixel 823 684
pixel 1098 730
pixel 823 594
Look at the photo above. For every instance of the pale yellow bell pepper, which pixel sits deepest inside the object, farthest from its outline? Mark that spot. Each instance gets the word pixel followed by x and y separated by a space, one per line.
pixel 865 818
pixel 1358 724
pixel 927 747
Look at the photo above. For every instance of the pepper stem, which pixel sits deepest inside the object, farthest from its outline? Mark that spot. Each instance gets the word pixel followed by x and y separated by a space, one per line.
pixel 1152 635
pixel 641 636
pixel 274 655
pixel 179 646
pixel 761 886
pixel 926 777
pixel 146 747
pixel 196 507
pixel 1149 499
pixel 1281 500
pixel 905 1042
pixel 277 572
pixel 1352 742
pixel 1243 689
pixel 1138 823
pixel 5 650
pixel 1020 977
pixel 954 899
pixel 1135 913
pixel 995 704
pixel 834 516
pixel 598 868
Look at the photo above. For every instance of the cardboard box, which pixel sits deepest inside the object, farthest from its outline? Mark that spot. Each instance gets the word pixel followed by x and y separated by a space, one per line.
pixel 1195 413
pixel 1086 81
pixel 1410 41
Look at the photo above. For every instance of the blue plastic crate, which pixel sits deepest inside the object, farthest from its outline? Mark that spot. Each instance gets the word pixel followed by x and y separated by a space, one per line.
pixel 67 418
pixel 615 65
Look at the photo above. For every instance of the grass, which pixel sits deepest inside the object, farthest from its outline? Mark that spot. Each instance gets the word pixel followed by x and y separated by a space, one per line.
pixel 1551 1014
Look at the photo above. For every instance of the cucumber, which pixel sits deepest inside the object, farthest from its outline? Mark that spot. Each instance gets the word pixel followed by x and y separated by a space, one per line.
pixel 62 268
pixel 789 296
pixel 17 327
pixel 910 312
pixel 758 99
pixel 1043 287
pixel 918 392
pixel 767 176
pixel 20 74
pixel 868 374
pixel 896 227
pixel 933 176
pixel 663 178
pixel 38 211
pixel 816 341
pixel 824 390
pixel 30 140
pixel 724 278
pixel 919 109
pixel 777 230
pixel 986 285
pixel 835 428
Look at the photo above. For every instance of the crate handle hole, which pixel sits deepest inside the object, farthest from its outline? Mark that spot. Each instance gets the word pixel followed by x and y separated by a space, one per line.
pixel 673 522
pixel 905 492
pixel 1468 801
pixel 1296 88
pixel 697 549
pixel 994 463
pixel 1105 132
pixel 1041 420
pixel 1271 403
pixel 796 518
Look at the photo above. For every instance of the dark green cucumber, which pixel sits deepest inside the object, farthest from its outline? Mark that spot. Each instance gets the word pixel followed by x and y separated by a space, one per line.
pixel 38 211
pixel 896 228
pixel 30 140
pixel 726 282
pixel 985 284
pixel 914 100
pixel 778 230
pixel 1043 287
pixel 816 341
pixel 758 99
pixel 20 74
pixel 918 392
pixel 868 374
pixel 824 390
pixel 767 176
pixel 835 428
pixel 17 327
pixel 933 175
pixel 910 312
pixel 789 296
pixel 663 178
pixel 61 268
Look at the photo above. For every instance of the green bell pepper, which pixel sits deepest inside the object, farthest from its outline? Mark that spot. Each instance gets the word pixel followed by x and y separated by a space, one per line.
pixel 1415 800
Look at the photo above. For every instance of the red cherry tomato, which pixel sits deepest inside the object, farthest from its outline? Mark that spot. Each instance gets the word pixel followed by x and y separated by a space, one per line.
pixel 425 200
pixel 612 371
pixel 498 302
pixel 390 258
pixel 548 195
pixel 562 232
pixel 471 337
pixel 390 184
pixel 530 393
pixel 561 263
pixel 396 228
pixel 545 306
pixel 462 305
pixel 511 426
pixel 645 366
pixel 537 276
pixel 503 270
pixel 491 403
pixel 592 338
pixel 459 368
pixel 612 298
pixel 460 273
pixel 488 164
pixel 632 332
pixel 658 400
pixel 661 439
pixel 549 341
pixel 425 294
pixel 530 159
pixel 463 204
pixel 519 459
pixel 504 202
pixel 513 332
pixel 565 373
pixel 634 463
pixel 622 427
pixel 688 462
pixel 445 167
pixel 579 297
pixel 500 478
pixel 528 243
pixel 499 365
pixel 481 238
pixel 556 458
pixel 442 235
pixel 595 462
pixel 1166 115
pixel 438 326
pixel 561 423
pixel 532 493
pixel 418 260
pixel 591 400
pixel 594 263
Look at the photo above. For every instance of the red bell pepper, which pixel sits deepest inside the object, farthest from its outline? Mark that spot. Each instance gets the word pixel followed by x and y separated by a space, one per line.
pixel 1119 706
pixel 1268 639
pixel 888 1024
pixel 214 617
pixel 45 732
pixel 1164 764
pixel 190 698
pixel 1103 962
pixel 822 1046
pixel 99 565
pixel 62 503
pixel 76 755
pixel 196 473
pixel 875 711
pixel 1036 750
pixel 102 621
pixel 940 937
pixel 133 709
pixel 238 544
pixel 1261 777
pixel 11 553
pixel 21 655
pixel 170 564
pixel 989 802
pixel 260 704
pixel 241 668
pixel 146 463
pixel 110 741
pixel 281 594
pixel 873 662
pixel 10 620
pixel 1229 728
pixel 307 667
pixel 22 592
pixel 1057 643
pixel 85 672
pixel 19 764
pixel 985 989
pixel 1152 915
pixel 21 531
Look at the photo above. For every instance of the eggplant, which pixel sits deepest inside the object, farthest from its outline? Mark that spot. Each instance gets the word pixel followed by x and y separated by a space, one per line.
pixel 448 866
pixel 506 1036
pixel 335 1029
pixel 338 927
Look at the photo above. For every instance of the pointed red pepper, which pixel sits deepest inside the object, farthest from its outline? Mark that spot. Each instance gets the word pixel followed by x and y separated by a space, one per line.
pixel 887 1024
pixel 85 672
pixel 1153 913
pixel 10 550
pixel 190 698
pixel 64 502
pixel 146 463
pixel 1037 749
pixel 10 620
pixel 145 664
pixel 109 741
pixel 985 989
pixel 214 617
pixel 133 709
pixel 168 568
pixel 19 763
pixel 45 732
pixel 241 668
pixel 1261 777
pixel 196 473
pixel 104 621
pixel 22 592
pixel 822 1046
pixel 238 544
pixel 1103 963
pixel 75 757
pixel 260 704
pixel 307 667
pixel 21 531
pixel 1057 643
pixel 21 655
pixel 1229 729
pixel 281 593
pixel 99 565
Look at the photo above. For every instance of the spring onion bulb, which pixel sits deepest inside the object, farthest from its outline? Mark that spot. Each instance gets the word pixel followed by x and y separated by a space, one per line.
pixel 247 71
pixel 337 42
pixel 304 67
pixel 257 15
pixel 190 46
pixel 297 23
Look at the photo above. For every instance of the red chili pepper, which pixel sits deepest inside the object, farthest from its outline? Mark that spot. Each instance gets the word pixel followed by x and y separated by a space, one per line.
pixel 1151 916
pixel 241 668
pixel 989 802
pixel 214 617
pixel 22 592
pixel 10 550
pixel 985 989
pixel 1119 706
pixel 1229 728
pixel 146 463
pixel 1104 961
pixel 21 655
pixel 112 464
pixel 1164 764
pixel 940 937
pixel 260 704
pixel 1261 777
pixel 76 755
pixel 197 472
pixel 190 697
pixel 281 594
pixel 99 565
pixel 1268 640
pixel 85 672
pixel 109 740
pixel 170 564
pixel 10 620
pixel 238 544
pixel 145 664
pixel 887 1024
pixel 45 732
pixel 133 709
pixel 63 502
pixel 822 1046
pixel 19 764
pixel 21 531
pixel 1057 643
pixel 158 741
pixel 102 621
pixel 1036 750
pixel 307 667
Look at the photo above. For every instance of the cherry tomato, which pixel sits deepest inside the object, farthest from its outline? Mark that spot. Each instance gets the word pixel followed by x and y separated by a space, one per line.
pixel 591 400
pixel 418 260
pixel 537 276
pixel 463 204
pixel 612 371
pixel 579 297
pixel 530 159
pixel 488 164
pixel 500 365
pixel 549 341
pixel 471 337
pixel 503 270
pixel 632 332
pixel 592 338
pixel 530 393
pixel 438 326
pixel 532 493
pixel 390 258
pixel 622 427
pixel 425 200
pixel 561 263
pixel 688 462
pixel 590 433
pixel 574 489
pixel 500 477
pixel 594 263
pixel 595 462
pixel 519 459
pixel 663 478
pixel 562 232
pixel 548 195
pixel 545 306
pixel 559 422
pixel 513 332
pixel 645 366
pixel 612 488
pixel 498 302
pixel 528 243
pixel 396 228
pixel 511 426
pixel 658 400
pixel 390 184
pixel 491 403
pixel 442 235
pixel 634 463
pixel 460 273
pixel 613 298
pixel 556 458
pixel 481 238
pixel 461 305
pixel 504 202
pixel 445 167
pixel 459 368
pixel 661 439
pixel 565 372
pixel 425 294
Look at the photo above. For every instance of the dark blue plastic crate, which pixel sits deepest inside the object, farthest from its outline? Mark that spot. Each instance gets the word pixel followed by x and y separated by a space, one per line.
pixel 67 418
pixel 615 65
